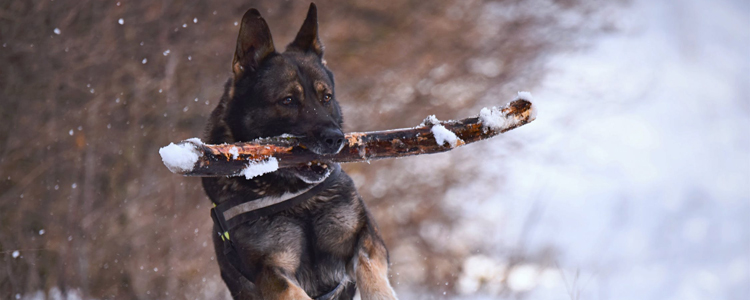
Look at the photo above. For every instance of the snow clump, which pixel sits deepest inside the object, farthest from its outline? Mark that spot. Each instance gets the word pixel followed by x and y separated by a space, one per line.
pixel 443 135
pixel 495 119
pixel 180 157
pixel 235 153
pixel 430 120
pixel 255 169
pixel 527 96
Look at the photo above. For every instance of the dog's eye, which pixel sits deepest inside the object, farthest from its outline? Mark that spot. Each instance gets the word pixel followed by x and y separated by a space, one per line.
pixel 327 97
pixel 287 101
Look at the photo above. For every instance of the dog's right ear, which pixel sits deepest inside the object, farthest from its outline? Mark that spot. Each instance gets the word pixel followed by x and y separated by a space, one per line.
pixel 254 43
pixel 307 39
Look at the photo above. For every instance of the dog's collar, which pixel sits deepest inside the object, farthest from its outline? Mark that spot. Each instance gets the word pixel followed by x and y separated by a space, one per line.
pixel 240 210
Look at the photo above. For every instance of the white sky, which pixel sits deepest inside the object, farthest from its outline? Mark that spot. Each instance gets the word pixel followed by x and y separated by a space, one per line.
pixel 638 166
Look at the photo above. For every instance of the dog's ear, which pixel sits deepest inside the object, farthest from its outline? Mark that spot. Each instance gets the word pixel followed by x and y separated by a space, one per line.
pixel 254 43
pixel 307 37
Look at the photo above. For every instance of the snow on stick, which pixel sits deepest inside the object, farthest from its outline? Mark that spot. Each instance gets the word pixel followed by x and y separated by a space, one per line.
pixel 267 155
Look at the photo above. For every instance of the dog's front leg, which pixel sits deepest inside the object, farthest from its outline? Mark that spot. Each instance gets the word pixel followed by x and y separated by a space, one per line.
pixel 274 284
pixel 372 270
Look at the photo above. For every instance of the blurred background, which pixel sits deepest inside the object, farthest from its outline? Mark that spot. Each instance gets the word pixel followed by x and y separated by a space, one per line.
pixel 633 183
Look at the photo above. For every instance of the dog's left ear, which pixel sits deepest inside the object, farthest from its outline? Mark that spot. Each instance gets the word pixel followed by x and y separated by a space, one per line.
pixel 307 37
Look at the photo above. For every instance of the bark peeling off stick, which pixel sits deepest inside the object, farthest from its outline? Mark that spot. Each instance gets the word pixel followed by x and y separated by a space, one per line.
pixel 231 159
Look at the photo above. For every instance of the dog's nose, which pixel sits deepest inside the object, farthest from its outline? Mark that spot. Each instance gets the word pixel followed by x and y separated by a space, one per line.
pixel 333 138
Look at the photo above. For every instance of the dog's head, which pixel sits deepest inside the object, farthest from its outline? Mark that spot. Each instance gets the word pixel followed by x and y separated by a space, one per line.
pixel 283 93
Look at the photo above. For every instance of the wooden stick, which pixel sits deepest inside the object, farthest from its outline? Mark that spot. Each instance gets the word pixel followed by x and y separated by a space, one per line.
pixel 286 151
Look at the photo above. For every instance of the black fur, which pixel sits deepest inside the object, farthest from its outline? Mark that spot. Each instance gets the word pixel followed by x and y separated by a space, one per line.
pixel 271 94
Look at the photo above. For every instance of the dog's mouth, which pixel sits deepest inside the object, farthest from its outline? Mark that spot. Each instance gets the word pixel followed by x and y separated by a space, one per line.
pixel 312 172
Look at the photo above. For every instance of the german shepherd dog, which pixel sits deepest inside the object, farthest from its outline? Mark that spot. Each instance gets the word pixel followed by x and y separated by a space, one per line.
pixel 326 247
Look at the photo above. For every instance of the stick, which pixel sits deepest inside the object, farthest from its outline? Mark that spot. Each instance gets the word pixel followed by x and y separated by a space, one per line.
pixel 193 158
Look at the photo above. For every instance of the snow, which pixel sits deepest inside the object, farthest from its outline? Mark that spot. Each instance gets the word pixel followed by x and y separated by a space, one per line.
pixel 144 61
pixel 235 152
pixel 16 254
pixel 523 278
pixel 56 31
pixel 430 120
pixel 179 157
pixel 493 118
pixel 525 96
pixel 637 175
pixel 443 135
pixel 121 21
pixel 195 140
pixel 254 169
pixel 478 269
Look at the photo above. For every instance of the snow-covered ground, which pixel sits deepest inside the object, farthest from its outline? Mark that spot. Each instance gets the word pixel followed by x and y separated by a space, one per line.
pixel 636 172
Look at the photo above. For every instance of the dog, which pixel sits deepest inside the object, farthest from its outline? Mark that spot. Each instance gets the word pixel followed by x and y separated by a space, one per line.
pixel 325 247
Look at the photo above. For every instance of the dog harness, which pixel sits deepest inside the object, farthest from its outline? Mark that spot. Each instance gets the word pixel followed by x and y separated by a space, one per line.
pixel 240 210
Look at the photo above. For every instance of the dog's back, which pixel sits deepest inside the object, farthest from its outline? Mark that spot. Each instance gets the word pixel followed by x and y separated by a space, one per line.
pixel 324 245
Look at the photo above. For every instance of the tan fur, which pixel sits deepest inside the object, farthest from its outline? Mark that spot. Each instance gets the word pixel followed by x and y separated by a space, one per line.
pixel 321 87
pixel 276 286
pixel 286 260
pixel 293 293
pixel 231 91
pixel 297 87
pixel 237 69
pixel 372 272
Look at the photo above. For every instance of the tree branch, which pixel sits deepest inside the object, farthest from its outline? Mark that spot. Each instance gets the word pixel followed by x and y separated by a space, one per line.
pixel 193 158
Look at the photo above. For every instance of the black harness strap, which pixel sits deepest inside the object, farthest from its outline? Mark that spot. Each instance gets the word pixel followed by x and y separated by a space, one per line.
pixel 239 217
